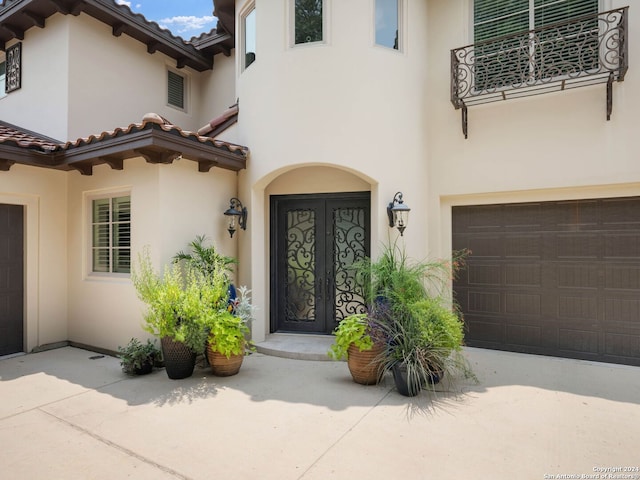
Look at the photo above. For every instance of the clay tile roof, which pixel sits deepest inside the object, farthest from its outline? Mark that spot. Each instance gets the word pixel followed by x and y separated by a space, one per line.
pixel 221 122
pixel 118 144
pixel 16 136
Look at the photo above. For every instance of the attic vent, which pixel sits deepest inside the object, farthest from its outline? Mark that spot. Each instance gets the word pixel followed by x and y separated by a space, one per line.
pixel 175 90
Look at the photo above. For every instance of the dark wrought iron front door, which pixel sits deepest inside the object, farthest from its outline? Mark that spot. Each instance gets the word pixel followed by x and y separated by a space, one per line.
pixel 315 238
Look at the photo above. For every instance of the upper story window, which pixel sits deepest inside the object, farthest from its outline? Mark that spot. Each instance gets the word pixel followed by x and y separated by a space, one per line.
pixel 111 234
pixel 308 21
pixel 388 23
pixel 176 90
pixel 551 53
pixel 249 37
pixel 11 69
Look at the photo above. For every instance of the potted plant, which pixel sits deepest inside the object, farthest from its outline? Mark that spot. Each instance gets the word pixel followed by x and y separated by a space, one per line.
pixel 173 314
pixel 423 328
pixel 359 340
pixel 137 358
pixel 228 331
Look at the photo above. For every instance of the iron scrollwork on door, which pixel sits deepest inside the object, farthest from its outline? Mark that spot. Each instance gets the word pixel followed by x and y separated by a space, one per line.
pixel 349 246
pixel 301 264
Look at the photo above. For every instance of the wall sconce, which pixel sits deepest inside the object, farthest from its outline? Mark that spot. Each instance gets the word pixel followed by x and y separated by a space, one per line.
pixel 236 212
pixel 398 213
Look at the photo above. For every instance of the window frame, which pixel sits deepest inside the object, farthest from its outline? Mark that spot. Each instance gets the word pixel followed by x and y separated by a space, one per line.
pixel 292 25
pixel 90 198
pixel 248 10
pixel 401 27
pixel 601 5
pixel 185 89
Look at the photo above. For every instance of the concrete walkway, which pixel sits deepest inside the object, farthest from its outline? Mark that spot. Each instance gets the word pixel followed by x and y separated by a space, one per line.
pixel 66 415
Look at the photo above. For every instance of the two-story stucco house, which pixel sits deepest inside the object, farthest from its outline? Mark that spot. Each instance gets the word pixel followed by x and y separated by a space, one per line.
pixel 508 127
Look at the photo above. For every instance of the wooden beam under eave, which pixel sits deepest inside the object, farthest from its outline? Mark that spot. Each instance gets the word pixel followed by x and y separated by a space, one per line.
pixel 152 46
pixel 61 7
pixel 114 163
pixel 118 29
pixel 5 165
pixel 77 8
pixel 151 156
pixel 38 20
pixel 15 31
pixel 225 51
pixel 84 168
pixel 205 165
pixel 181 62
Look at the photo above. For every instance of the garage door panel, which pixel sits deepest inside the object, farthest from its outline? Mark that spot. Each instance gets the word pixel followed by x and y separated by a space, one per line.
pixel 622 277
pixel 624 311
pixel 523 304
pixel 575 275
pixel 618 246
pixel 523 275
pixel 487 247
pixel 524 335
pixel 484 274
pixel 578 245
pixel 617 344
pixel 483 302
pixel 579 341
pixel 523 246
pixel 555 278
pixel 584 308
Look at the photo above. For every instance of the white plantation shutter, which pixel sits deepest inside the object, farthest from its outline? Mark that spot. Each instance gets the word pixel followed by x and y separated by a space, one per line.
pixel 111 235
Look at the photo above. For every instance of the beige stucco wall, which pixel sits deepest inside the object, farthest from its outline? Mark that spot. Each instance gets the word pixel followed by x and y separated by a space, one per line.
pixel 41 105
pixel 113 81
pixel 548 147
pixel 346 105
pixel 43 193
pixel 171 204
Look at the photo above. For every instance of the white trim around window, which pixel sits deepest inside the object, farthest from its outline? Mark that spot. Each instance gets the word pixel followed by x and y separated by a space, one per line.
pixel 247 39
pixel 311 38
pixel 108 226
pixel 383 28
pixel 177 89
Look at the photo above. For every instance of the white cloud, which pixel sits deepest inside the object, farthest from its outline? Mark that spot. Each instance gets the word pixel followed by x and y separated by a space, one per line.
pixel 123 2
pixel 181 24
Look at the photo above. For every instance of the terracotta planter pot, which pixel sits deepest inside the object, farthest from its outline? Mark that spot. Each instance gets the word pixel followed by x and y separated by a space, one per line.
pixel 365 367
pixel 179 360
pixel 221 366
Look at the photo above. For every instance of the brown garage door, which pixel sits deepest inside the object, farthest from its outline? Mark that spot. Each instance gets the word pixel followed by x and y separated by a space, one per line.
pixel 552 278
pixel 11 278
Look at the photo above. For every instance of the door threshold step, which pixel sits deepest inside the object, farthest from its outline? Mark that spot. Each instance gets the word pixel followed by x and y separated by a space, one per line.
pixel 297 346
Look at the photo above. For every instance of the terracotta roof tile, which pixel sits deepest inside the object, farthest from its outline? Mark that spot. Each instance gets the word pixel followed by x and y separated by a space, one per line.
pixel 13 135
pixel 228 114
pixel 19 137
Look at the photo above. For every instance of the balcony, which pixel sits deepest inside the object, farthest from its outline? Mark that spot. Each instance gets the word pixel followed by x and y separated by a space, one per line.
pixel 584 51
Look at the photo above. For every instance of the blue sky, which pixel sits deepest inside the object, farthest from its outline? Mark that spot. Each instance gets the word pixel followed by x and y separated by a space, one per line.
pixel 186 18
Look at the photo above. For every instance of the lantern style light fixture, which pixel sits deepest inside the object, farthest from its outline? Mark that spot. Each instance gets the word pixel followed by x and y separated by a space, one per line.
pixel 236 213
pixel 398 213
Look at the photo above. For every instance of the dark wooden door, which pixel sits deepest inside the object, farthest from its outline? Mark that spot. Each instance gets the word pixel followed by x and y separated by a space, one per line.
pixel 553 278
pixel 315 238
pixel 11 278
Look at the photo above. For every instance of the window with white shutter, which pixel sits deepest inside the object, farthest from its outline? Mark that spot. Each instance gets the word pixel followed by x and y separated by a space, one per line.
pixel 111 234
pixel 513 60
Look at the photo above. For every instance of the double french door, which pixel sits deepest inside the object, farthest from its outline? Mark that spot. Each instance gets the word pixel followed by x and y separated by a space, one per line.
pixel 314 240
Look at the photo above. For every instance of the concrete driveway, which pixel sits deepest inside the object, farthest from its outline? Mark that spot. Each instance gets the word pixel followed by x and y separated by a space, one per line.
pixel 64 415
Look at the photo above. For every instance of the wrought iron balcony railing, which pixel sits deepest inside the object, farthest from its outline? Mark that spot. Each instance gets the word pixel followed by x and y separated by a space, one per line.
pixel 584 51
